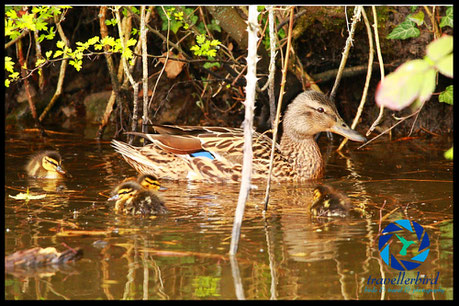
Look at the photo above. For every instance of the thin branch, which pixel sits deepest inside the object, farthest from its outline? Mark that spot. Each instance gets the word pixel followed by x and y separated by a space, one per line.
pixel 279 105
pixel 381 68
pixel 390 129
pixel 355 19
pixel 252 29
pixel 143 38
pixel 128 74
pixel 112 73
pixel 60 82
pixel 367 80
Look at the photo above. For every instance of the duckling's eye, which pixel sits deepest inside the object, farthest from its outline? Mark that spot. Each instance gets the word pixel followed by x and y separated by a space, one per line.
pixel 320 110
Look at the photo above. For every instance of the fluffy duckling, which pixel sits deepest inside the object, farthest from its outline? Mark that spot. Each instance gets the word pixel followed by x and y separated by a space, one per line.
pixel 329 202
pixel 149 182
pixel 133 199
pixel 45 164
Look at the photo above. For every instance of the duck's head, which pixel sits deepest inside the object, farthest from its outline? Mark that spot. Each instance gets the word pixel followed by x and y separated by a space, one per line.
pixel 312 112
pixel 51 162
pixel 149 182
pixel 125 190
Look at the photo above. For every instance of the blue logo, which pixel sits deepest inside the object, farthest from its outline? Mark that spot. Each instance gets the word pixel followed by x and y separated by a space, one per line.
pixel 400 248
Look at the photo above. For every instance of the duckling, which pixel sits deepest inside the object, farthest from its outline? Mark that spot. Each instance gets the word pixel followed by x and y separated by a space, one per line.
pixel 45 164
pixel 133 199
pixel 329 202
pixel 149 182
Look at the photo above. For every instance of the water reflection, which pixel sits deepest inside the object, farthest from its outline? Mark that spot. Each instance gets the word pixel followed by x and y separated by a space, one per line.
pixel 285 254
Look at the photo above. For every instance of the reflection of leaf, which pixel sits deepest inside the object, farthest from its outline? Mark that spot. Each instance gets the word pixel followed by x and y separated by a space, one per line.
pixel 27 196
pixel 404 30
pixel 412 80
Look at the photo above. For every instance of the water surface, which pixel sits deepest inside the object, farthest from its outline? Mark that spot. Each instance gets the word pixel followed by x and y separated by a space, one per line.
pixel 284 254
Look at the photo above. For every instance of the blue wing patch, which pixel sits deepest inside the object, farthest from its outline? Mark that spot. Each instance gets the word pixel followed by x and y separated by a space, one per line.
pixel 203 154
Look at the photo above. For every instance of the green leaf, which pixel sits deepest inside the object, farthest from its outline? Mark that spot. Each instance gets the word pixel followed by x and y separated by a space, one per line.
pixel 414 80
pixel 49 53
pixel 404 30
pixel 440 48
pixel 445 65
pixel 449 154
pixel 447 20
pixel 175 26
pixel 60 44
pixel 9 64
pixel 417 18
pixel 447 95
pixel 200 39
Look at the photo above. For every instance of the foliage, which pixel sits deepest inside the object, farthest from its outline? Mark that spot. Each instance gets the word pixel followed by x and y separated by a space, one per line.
pixel 447 95
pixel 407 29
pixel 449 154
pixel 414 81
pixel 19 20
pixel 206 47
pixel 447 20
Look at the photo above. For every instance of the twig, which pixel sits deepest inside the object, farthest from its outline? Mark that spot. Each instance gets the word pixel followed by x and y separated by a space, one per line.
pixel 279 105
pixel 60 81
pixel 355 19
pixel 367 80
pixel 112 73
pixel 128 74
pixel 165 61
pixel 381 68
pixel 143 38
pixel 272 65
pixel 252 29
pixel 390 129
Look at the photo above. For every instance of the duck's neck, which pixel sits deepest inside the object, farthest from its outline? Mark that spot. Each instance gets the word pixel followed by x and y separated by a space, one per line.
pixel 304 156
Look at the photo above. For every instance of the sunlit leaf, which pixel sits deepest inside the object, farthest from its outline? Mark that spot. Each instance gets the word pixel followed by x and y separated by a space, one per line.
pixel 417 18
pixel 445 65
pixel 412 80
pixel 440 48
pixel 404 30
pixel 447 95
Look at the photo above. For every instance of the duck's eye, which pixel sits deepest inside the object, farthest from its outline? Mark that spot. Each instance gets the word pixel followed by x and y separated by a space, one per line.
pixel 320 110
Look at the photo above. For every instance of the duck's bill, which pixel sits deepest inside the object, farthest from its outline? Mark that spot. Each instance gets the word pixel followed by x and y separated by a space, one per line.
pixel 60 170
pixel 113 198
pixel 345 131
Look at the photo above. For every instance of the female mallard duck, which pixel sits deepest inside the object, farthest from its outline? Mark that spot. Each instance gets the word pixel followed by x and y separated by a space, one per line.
pixel 133 199
pixel 214 154
pixel 45 164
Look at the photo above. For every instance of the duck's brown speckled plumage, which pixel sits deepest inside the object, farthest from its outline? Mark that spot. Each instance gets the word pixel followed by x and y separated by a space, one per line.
pixel 297 157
